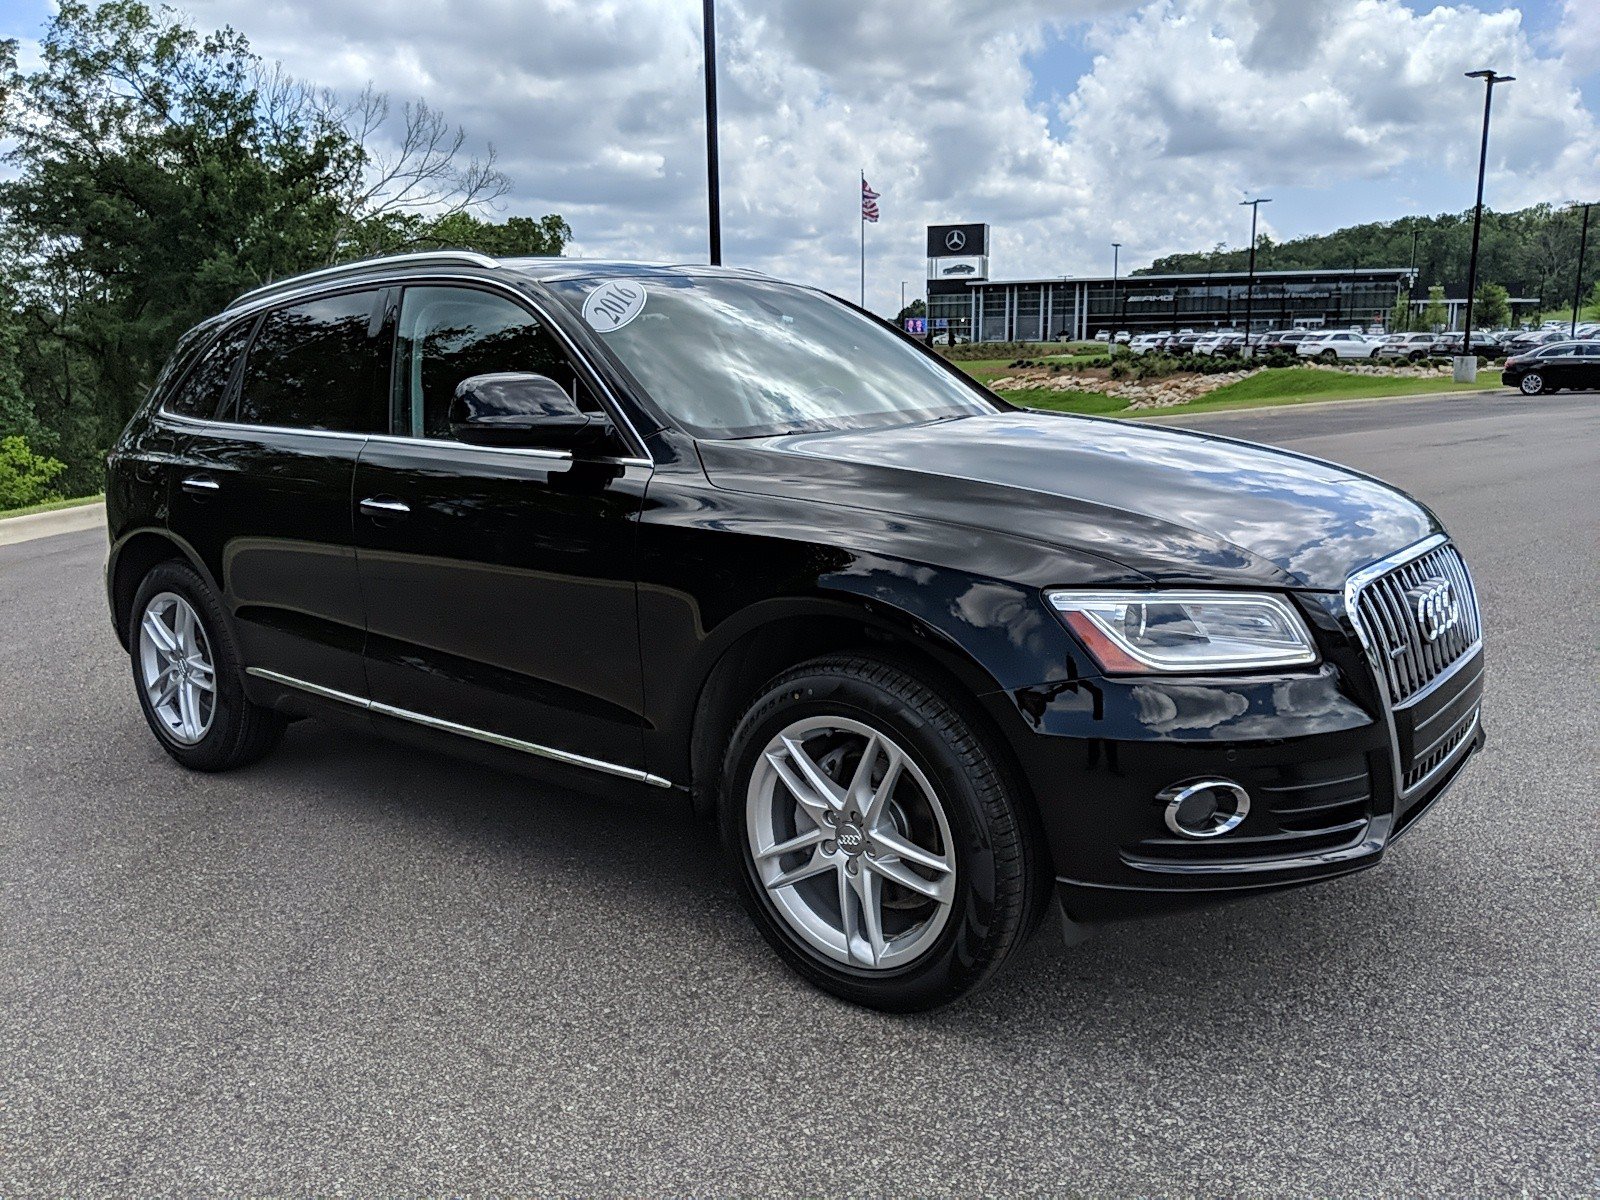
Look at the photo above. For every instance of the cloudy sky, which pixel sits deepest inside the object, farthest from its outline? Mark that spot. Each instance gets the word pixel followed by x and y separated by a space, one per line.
pixel 1066 124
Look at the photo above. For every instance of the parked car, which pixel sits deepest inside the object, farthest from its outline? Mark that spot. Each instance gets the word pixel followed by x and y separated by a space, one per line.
pixel 1285 340
pixel 1484 344
pixel 1341 344
pixel 1413 347
pixel 1103 335
pixel 1180 343
pixel 1550 368
pixel 1123 337
pixel 1522 343
pixel 1219 345
pixel 1144 343
pixel 932 666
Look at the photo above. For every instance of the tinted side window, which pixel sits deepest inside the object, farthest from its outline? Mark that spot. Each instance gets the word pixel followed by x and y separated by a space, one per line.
pixel 313 366
pixel 449 334
pixel 202 391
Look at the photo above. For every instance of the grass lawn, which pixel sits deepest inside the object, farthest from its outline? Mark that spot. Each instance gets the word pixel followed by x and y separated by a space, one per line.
pixel 49 506
pixel 1278 385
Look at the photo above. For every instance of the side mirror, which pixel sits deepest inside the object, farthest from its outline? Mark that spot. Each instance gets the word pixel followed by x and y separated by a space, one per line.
pixel 519 409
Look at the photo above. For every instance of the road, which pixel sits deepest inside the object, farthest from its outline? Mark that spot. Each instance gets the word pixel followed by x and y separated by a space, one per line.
pixel 361 967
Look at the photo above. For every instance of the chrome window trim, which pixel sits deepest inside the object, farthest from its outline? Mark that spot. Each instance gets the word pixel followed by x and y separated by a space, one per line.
pixel 380 280
pixel 565 757
pixel 443 443
pixel 1353 588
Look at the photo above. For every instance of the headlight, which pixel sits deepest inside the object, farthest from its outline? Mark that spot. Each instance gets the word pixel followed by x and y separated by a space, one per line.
pixel 1140 633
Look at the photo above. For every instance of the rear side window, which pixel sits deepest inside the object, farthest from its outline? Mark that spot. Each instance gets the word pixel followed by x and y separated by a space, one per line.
pixel 316 366
pixel 202 391
pixel 448 334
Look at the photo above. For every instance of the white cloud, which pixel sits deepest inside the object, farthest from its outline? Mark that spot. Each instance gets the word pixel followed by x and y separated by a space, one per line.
pixel 595 109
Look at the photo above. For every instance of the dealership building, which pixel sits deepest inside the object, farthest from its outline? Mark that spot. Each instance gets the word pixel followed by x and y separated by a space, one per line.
pixel 963 299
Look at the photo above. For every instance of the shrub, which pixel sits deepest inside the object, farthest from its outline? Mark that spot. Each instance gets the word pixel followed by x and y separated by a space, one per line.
pixel 25 477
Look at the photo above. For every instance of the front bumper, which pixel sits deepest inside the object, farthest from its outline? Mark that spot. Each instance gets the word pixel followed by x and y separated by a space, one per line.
pixel 1315 751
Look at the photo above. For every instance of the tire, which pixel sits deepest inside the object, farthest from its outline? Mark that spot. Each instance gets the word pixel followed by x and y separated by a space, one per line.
pixel 1415 356
pixel 952 799
pixel 1329 356
pixel 1533 384
pixel 226 731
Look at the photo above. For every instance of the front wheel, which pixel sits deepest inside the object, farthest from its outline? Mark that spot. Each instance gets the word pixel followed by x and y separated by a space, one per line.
pixel 1533 384
pixel 188 674
pixel 1329 356
pixel 880 847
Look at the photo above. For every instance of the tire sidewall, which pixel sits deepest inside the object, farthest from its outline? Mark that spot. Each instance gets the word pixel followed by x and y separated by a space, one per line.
pixel 213 750
pixel 1532 384
pixel 946 966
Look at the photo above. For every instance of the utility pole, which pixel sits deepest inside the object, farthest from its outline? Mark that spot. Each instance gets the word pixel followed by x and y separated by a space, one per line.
pixel 1577 287
pixel 902 295
pixel 1250 285
pixel 708 31
pixel 1466 364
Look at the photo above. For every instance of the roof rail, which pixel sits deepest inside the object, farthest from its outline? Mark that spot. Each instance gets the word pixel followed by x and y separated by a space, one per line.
pixel 421 258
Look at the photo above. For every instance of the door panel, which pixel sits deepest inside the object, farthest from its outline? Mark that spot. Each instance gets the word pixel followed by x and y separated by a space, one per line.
pixel 269 514
pixel 499 584
pixel 503 596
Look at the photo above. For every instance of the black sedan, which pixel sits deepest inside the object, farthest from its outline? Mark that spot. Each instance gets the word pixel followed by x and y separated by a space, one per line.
pixel 1553 367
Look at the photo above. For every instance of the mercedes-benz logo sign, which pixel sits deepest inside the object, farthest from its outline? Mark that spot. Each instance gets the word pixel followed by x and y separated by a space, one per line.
pixel 955 240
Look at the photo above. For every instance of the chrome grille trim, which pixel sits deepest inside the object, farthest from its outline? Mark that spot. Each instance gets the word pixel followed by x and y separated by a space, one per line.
pixel 1406 664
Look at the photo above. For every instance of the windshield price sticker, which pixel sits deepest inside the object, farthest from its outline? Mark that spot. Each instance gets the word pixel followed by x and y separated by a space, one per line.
pixel 613 304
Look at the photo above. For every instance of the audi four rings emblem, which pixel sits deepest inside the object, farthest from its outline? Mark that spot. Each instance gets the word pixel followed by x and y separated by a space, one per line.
pixel 1436 606
pixel 955 240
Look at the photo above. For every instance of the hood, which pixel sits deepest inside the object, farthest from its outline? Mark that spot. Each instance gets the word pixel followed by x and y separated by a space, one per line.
pixel 1175 506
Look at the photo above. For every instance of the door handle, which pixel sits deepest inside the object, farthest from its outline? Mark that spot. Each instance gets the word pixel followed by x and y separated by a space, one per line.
pixel 384 506
pixel 200 485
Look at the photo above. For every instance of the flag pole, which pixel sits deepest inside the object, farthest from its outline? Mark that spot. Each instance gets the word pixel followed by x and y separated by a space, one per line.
pixel 862 203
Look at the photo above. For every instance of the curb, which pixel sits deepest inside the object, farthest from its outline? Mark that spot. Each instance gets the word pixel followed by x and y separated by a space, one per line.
pixel 47 524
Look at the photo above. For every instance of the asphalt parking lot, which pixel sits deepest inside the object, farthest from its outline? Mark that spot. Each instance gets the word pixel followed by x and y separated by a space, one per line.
pixel 359 967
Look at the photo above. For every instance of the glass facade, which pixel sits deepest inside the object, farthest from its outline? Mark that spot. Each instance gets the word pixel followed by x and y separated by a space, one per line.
pixel 1047 309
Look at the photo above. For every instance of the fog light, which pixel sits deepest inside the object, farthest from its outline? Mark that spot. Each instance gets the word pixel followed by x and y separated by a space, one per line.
pixel 1206 809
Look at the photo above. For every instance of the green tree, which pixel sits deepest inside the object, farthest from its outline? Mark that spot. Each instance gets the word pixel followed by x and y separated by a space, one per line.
pixel 1400 314
pixel 157 172
pixel 917 308
pixel 515 237
pixel 25 477
pixel 1437 315
pixel 1491 308
pixel 1591 306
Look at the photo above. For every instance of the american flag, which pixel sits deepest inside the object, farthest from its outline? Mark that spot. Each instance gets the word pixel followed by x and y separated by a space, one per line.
pixel 869 202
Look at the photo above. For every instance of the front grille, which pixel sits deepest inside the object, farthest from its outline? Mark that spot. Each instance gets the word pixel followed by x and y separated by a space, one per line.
pixel 1388 609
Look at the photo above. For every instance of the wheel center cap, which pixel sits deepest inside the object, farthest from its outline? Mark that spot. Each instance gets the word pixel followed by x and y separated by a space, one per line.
pixel 851 839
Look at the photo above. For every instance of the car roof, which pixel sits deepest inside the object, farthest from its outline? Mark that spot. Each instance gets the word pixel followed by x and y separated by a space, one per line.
pixel 540 270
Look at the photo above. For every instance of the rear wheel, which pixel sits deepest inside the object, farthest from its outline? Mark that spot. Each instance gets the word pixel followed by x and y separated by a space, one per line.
pixel 1533 384
pixel 879 846
pixel 188 674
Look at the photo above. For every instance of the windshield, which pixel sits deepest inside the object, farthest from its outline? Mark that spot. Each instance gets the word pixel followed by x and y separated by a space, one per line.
pixel 730 357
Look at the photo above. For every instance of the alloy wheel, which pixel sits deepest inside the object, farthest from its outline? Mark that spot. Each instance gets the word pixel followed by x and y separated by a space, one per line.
pixel 850 842
pixel 1532 384
pixel 176 668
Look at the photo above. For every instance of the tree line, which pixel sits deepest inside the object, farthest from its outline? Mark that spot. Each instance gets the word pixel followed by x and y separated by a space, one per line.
pixel 153 173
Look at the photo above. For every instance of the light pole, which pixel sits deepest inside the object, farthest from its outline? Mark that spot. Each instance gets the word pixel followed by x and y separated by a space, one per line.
pixel 1411 284
pixel 1577 287
pixel 902 295
pixel 1250 284
pixel 708 30
pixel 1116 254
pixel 1467 365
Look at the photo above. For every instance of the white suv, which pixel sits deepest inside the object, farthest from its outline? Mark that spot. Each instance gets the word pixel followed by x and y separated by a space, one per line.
pixel 1332 346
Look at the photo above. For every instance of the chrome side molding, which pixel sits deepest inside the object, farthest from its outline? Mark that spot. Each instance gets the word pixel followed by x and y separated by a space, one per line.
pixel 469 731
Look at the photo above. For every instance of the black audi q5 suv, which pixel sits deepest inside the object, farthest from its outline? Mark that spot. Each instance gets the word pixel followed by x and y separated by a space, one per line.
pixel 935 665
